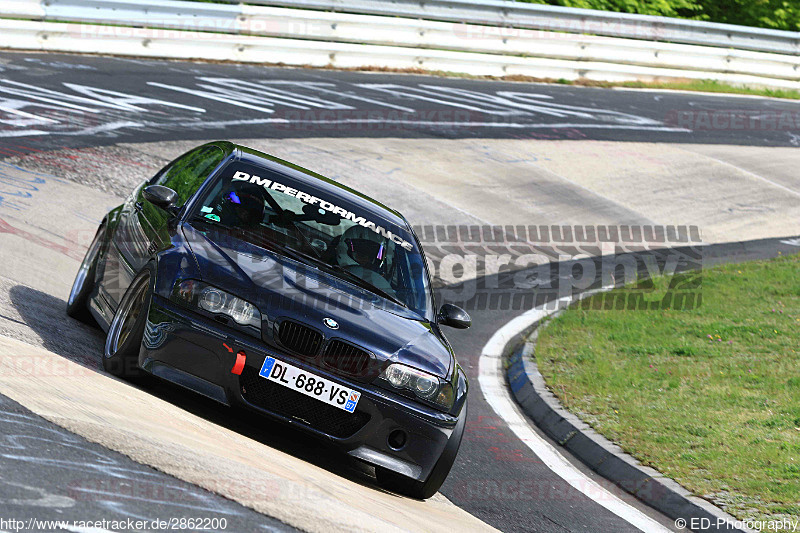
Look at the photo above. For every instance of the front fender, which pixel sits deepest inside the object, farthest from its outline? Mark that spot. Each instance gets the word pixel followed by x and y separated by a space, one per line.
pixel 173 263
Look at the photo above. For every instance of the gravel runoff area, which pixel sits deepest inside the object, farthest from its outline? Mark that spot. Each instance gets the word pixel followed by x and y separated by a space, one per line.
pixel 111 169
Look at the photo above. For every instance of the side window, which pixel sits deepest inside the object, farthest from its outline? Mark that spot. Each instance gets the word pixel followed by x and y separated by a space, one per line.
pixel 188 173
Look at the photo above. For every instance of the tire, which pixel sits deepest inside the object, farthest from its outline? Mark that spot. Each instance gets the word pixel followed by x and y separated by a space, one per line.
pixel 82 287
pixel 124 339
pixel 422 490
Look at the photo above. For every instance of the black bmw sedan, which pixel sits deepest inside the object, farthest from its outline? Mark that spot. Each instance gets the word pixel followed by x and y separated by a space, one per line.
pixel 262 285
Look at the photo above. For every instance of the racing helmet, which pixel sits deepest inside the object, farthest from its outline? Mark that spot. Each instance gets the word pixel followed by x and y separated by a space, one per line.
pixel 363 247
pixel 243 204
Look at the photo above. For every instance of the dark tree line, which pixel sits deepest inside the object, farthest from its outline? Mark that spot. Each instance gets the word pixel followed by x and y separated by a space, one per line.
pixel 775 14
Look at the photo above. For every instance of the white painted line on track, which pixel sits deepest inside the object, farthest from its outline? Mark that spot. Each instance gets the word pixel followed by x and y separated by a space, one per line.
pixel 213 96
pixel 401 122
pixel 513 125
pixel 113 126
pixel 494 389
pixel 23 133
pixel 425 123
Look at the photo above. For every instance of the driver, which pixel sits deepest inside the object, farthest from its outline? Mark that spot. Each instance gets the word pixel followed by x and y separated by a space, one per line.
pixel 365 253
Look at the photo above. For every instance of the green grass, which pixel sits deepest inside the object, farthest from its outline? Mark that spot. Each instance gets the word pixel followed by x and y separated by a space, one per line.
pixel 709 396
pixel 709 86
pixel 712 86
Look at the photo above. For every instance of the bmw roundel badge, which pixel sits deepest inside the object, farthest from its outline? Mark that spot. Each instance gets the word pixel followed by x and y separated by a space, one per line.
pixel 331 323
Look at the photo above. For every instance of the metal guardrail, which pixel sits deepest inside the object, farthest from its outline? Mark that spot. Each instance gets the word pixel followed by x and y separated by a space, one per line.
pixel 497 13
pixel 507 13
pixel 256 33
pixel 199 16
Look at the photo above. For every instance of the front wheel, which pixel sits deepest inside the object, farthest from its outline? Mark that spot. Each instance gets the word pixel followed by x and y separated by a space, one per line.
pixel 82 287
pixel 423 490
pixel 124 339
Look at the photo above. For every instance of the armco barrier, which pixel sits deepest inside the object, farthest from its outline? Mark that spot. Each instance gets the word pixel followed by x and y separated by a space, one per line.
pixel 563 19
pixel 198 16
pixel 22 9
pixel 412 33
pixel 247 33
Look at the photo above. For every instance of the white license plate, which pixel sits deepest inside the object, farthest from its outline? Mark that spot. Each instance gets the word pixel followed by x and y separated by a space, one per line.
pixel 309 384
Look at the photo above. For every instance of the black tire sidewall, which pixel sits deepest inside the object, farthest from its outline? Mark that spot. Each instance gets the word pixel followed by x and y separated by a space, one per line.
pixel 78 308
pixel 124 362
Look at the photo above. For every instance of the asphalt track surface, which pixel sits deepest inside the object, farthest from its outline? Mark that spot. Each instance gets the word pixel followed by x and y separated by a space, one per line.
pixel 496 477
pixel 53 101
pixel 51 474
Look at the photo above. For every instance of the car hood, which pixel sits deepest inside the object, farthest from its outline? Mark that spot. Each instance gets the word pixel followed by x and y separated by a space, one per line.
pixel 284 288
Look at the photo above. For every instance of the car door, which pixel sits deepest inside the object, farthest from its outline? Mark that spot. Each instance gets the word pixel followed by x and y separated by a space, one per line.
pixel 142 227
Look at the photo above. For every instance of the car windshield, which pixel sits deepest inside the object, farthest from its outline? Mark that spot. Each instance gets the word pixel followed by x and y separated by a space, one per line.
pixel 309 224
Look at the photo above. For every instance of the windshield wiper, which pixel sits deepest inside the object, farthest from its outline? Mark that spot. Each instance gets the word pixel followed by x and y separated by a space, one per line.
pixel 361 282
pixel 305 240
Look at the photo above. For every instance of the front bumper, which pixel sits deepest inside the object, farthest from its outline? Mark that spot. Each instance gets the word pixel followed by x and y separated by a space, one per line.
pixel 198 353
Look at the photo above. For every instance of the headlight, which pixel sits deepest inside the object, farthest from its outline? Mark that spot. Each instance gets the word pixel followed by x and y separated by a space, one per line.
pixel 213 300
pixel 425 386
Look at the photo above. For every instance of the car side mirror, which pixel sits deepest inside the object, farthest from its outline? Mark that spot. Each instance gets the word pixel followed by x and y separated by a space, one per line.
pixel 454 316
pixel 162 197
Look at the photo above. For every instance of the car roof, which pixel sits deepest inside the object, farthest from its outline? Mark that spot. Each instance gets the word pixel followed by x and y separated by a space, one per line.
pixel 323 183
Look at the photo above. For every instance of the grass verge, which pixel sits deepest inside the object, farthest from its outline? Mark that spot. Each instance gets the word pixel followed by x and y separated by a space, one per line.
pixel 712 86
pixel 710 397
